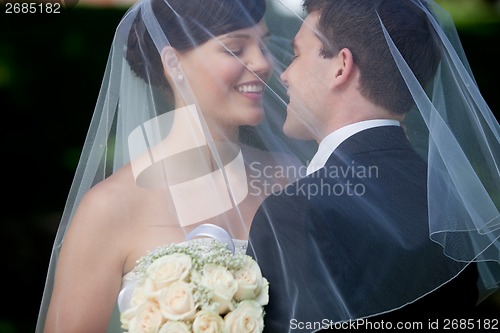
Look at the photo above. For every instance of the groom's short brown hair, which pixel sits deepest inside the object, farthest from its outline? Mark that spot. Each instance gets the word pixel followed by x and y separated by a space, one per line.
pixel 355 24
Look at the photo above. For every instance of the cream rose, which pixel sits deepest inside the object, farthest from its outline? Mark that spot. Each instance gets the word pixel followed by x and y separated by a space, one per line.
pixel 175 327
pixel 168 269
pixel 221 281
pixel 208 322
pixel 263 297
pixel 127 316
pixel 246 318
pixel 148 318
pixel 142 291
pixel 176 301
pixel 250 281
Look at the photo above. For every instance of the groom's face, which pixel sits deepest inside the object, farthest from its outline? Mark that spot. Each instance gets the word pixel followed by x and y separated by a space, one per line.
pixel 307 81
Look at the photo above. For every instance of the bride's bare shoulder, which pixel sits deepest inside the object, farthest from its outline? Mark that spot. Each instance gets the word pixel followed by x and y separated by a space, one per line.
pixel 113 185
pixel 106 200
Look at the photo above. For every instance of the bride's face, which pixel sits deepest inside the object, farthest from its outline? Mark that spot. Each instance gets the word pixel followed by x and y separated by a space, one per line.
pixel 227 76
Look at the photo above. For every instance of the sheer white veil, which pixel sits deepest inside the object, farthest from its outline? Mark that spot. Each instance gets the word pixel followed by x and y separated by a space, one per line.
pixel 448 124
pixel 463 154
pixel 153 119
pixel 153 122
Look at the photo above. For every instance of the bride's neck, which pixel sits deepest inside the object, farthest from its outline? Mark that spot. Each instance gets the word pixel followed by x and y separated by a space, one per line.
pixel 223 134
pixel 218 131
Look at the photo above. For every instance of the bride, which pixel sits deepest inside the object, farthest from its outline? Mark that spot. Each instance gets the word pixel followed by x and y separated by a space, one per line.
pixel 178 135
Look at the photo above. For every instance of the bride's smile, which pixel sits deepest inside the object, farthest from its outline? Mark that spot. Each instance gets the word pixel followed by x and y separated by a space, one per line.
pixel 225 69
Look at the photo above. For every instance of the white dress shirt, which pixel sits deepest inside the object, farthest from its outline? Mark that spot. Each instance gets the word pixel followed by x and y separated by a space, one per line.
pixel 334 139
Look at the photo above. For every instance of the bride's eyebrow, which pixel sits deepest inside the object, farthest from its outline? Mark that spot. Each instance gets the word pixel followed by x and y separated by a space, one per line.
pixel 267 35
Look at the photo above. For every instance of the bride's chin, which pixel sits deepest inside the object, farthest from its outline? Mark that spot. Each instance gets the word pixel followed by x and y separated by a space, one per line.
pixel 254 117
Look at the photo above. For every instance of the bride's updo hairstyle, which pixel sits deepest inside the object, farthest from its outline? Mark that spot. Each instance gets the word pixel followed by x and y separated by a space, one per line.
pixel 186 24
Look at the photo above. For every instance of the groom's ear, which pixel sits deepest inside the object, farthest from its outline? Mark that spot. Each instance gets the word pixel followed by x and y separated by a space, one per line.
pixel 343 68
pixel 170 61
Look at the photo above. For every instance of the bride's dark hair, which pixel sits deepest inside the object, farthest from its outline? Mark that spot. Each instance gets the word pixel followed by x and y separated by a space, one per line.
pixel 187 24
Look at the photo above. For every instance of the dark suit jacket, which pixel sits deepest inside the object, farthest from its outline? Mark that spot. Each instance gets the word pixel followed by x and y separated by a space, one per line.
pixel 352 239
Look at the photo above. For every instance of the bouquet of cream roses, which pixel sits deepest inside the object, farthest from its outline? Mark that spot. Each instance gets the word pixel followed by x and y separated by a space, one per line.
pixel 197 287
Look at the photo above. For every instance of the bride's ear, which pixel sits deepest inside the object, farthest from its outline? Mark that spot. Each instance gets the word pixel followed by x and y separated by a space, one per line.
pixel 171 64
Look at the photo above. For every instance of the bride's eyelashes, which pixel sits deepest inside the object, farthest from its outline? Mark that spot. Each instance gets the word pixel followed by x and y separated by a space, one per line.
pixel 238 44
pixel 234 52
pixel 240 51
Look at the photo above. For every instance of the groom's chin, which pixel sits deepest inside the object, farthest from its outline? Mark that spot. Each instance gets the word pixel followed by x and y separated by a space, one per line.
pixel 296 129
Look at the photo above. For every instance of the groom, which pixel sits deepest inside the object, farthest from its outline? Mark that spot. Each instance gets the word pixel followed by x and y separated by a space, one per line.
pixel 351 239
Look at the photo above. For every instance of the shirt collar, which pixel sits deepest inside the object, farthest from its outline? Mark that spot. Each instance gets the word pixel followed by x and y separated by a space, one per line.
pixel 334 139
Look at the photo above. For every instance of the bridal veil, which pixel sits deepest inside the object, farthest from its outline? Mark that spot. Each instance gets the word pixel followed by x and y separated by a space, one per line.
pixel 155 116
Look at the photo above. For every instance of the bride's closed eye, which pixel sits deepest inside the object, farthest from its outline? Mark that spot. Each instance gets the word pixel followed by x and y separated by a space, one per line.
pixel 236 44
pixel 235 51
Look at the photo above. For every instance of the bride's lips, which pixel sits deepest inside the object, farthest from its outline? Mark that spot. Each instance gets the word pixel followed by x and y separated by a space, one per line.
pixel 252 90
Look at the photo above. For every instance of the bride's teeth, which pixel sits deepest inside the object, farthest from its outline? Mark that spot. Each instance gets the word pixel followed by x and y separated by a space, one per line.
pixel 250 89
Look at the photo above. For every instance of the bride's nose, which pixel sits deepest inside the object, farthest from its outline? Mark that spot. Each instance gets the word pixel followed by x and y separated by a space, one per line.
pixel 259 62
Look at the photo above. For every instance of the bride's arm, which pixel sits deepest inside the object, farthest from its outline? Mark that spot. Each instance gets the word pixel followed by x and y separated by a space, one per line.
pixel 89 270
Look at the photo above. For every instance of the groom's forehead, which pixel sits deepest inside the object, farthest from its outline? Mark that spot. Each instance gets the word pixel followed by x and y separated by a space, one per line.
pixel 308 32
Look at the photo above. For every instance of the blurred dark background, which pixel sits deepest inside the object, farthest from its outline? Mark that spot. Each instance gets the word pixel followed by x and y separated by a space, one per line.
pixel 51 67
